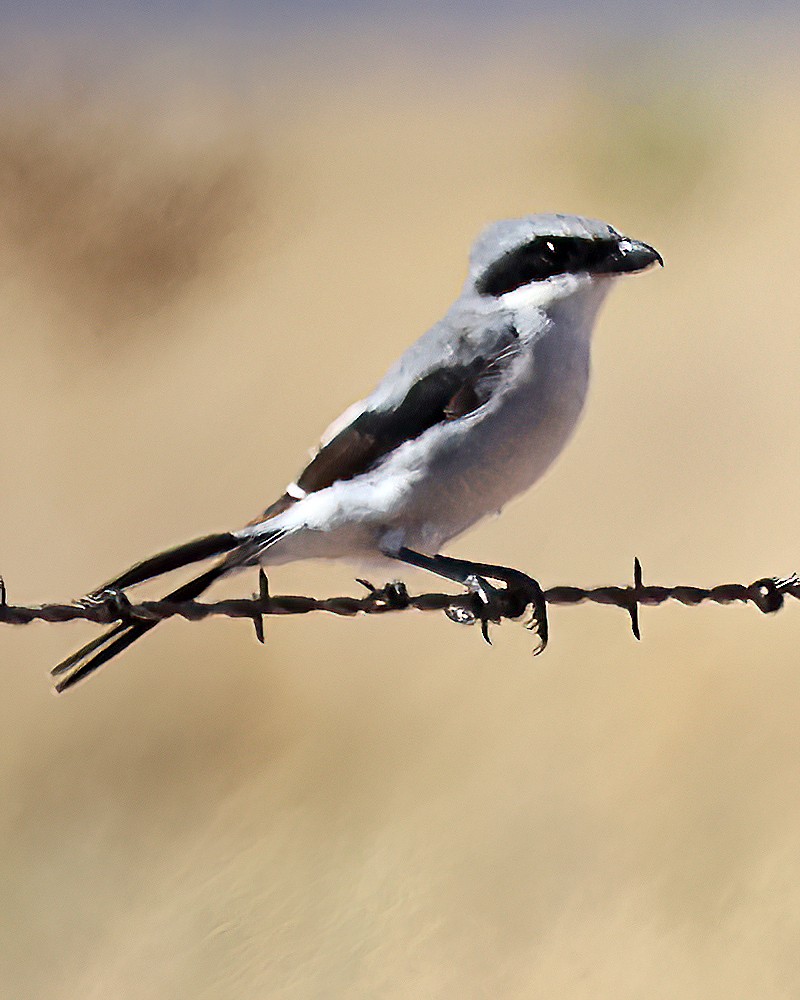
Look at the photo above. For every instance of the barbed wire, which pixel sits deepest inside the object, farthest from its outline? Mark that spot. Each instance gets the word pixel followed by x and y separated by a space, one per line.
pixel 767 594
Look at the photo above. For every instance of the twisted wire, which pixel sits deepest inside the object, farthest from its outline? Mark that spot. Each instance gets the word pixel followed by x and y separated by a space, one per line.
pixel 767 594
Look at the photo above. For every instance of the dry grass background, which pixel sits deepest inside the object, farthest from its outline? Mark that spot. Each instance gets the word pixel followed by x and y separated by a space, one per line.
pixel 193 280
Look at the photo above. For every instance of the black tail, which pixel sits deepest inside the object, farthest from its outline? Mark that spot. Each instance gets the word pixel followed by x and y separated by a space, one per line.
pixel 99 651
pixel 170 559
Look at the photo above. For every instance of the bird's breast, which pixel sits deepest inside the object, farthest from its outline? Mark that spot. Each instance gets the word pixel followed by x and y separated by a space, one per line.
pixel 473 466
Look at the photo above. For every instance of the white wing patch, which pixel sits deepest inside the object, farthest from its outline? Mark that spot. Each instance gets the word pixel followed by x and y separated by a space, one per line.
pixel 342 421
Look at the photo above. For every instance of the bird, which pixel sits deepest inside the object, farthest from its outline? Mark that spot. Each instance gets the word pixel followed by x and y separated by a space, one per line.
pixel 471 415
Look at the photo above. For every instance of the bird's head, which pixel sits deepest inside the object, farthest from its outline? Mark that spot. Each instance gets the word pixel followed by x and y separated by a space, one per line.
pixel 548 261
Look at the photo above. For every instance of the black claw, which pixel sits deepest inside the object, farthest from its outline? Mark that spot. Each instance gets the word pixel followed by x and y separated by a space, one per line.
pixel 539 623
pixel 523 592
pixel 490 604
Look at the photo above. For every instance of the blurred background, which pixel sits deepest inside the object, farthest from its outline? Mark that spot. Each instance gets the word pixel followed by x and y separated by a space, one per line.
pixel 212 220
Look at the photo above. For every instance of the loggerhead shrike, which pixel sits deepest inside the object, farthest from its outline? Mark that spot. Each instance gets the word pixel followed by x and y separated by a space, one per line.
pixel 471 415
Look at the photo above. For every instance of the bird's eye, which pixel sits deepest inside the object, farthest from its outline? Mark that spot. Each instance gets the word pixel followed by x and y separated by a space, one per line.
pixel 538 260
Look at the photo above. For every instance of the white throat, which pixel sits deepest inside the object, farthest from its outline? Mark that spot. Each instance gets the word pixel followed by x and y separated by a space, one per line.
pixel 569 302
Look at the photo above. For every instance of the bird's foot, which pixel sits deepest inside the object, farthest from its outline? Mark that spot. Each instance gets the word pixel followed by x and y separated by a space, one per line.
pixel 521 599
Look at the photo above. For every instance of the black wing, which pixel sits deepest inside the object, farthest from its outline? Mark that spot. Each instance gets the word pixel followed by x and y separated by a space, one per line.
pixel 443 394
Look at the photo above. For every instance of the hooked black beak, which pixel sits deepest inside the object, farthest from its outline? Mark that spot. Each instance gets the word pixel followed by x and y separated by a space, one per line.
pixel 628 256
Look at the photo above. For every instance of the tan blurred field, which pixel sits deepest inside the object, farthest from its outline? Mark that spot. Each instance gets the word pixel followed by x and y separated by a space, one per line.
pixel 387 807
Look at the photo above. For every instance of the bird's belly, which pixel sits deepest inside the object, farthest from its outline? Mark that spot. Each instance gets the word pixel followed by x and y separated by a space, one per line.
pixel 475 468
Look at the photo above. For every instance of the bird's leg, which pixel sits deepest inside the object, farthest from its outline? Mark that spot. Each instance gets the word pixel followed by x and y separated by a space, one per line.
pixel 520 592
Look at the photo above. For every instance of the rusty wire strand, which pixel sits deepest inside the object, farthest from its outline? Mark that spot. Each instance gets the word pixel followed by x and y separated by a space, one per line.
pixel 766 594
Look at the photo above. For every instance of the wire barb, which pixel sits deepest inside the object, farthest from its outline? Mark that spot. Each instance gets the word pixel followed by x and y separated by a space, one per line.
pixel 633 606
pixel 262 599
